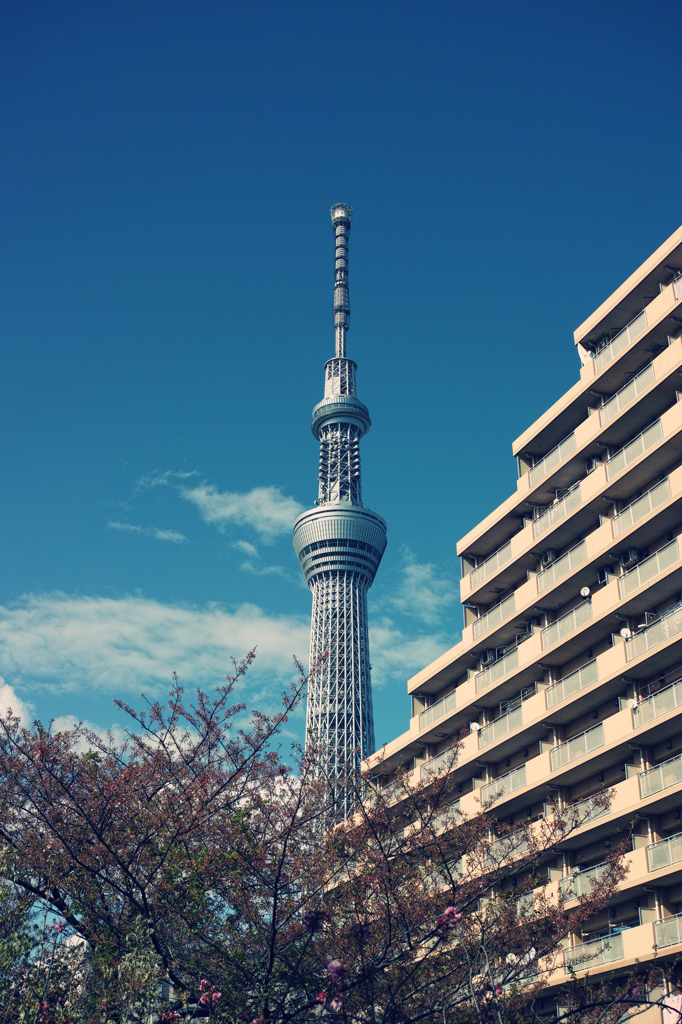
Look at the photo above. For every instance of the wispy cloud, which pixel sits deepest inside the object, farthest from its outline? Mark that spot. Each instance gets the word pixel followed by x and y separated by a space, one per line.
pixel 148 531
pixel 64 723
pixel 248 549
pixel 132 644
pixel 396 656
pixel 9 700
pixel 423 593
pixel 264 509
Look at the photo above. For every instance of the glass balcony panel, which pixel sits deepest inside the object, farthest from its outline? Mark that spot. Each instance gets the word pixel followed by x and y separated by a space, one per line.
pixel 662 777
pixel 557 570
pixel 506 784
pixel 627 394
pixel 678 288
pixel 641 507
pixel 552 459
pixel 583 811
pixel 668 932
pixel 620 342
pixel 573 683
pixel 498 613
pixel 491 565
pixel 668 625
pixel 504 849
pixel 577 746
pixel 595 953
pixel 665 853
pixel 438 710
pixel 436 765
pixel 649 568
pixel 581 883
pixel 566 624
pixel 633 449
pixel 659 704
pixel 497 671
pixel 500 727
pixel 557 511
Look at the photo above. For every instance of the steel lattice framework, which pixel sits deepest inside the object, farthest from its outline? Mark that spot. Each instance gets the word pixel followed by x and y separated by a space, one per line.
pixel 339 544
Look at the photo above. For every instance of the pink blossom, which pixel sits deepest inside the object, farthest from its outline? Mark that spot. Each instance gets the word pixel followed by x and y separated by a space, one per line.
pixel 337 1002
pixel 336 969
pixel 321 998
pixel 498 991
pixel 203 984
pixel 216 996
pixel 203 1000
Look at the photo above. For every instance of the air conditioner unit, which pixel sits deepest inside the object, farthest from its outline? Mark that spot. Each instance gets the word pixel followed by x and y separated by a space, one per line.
pixel 548 556
pixel 630 557
pixel 591 464
pixel 604 573
pixel 488 657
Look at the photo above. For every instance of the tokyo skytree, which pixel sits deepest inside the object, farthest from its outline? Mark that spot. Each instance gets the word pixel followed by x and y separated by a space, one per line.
pixel 339 544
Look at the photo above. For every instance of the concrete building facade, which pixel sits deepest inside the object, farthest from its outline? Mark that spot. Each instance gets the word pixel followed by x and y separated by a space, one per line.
pixel 568 676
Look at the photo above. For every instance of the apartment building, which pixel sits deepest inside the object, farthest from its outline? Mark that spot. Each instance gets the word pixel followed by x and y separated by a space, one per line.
pixel 568 676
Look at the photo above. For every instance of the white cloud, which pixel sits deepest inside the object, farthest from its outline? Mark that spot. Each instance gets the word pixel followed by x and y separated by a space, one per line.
pixel 64 723
pixel 9 700
pixel 131 644
pixel 396 656
pixel 148 531
pixel 423 593
pixel 265 509
pixel 248 549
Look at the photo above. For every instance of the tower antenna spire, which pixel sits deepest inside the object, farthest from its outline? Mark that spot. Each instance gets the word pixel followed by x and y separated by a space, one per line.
pixel 339 544
pixel 341 218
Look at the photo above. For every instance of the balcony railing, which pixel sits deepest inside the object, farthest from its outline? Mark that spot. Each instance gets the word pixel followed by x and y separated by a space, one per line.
pixel 668 932
pixel 659 704
pixel 498 613
pixel 618 344
pixel 491 565
pixel 581 883
pixel 502 850
pixel 668 625
pixel 442 707
pixel 649 568
pixel 437 764
pixel 557 570
pixel 500 727
pixel 497 670
pixel 552 459
pixel 627 394
pixel 595 953
pixel 663 776
pixel 557 511
pixel 577 746
pixel 583 811
pixel 634 449
pixel 573 683
pixel 678 287
pixel 506 784
pixel 665 853
pixel 641 507
pixel 566 624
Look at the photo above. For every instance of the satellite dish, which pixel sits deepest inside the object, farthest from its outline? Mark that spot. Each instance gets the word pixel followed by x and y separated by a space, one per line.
pixel 625 633
pixel 585 592
pixel 632 704
pixel 474 726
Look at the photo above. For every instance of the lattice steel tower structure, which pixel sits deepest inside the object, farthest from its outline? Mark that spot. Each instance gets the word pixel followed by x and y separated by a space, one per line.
pixel 339 544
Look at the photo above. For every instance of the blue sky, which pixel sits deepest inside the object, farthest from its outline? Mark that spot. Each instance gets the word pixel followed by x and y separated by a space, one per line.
pixel 166 282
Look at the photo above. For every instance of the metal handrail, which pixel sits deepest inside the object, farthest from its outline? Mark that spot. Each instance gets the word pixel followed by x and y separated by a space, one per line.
pixel 621 341
pixel 572 683
pixel 575 748
pixel 562 566
pixel 438 710
pixel 622 398
pixel 546 519
pixel 476 578
pixel 629 453
pixel 498 613
pixel 567 623
pixel 650 567
pixel 668 624
pixel 552 459
pixel 641 506
pixel 658 704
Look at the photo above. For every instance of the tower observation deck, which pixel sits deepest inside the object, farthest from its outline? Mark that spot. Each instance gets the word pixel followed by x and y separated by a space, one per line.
pixel 339 544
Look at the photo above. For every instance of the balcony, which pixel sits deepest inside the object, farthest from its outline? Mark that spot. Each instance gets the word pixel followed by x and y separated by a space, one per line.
pixel 678 287
pixel 552 459
pixel 497 670
pixel 577 746
pixel 669 624
pixel 581 883
pixel 567 624
pixel 498 613
pixel 488 568
pixel 583 811
pixel 557 570
pixel 501 851
pixel 622 340
pixel 660 704
pixel 436 765
pixel 627 394
pixel 593 954
pixel 663 854
pixel 501 726
pixel 572 684
pixel 668 932
pixel 641 507
pixel 662 777
pixel 506 784
pixel 438 710
pixel 649 568
pixel 634 449
pixel 557 511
